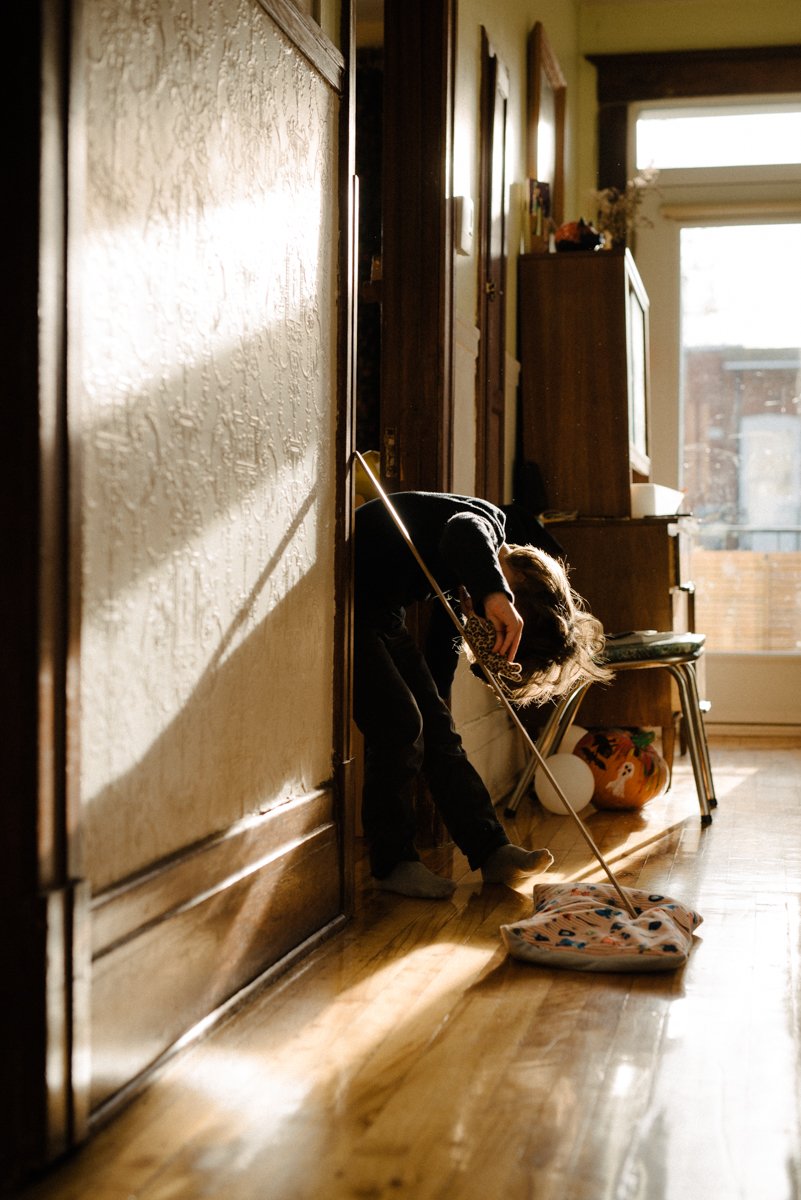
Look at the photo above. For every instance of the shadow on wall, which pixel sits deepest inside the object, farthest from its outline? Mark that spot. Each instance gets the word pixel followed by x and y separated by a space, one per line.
pixel 239 743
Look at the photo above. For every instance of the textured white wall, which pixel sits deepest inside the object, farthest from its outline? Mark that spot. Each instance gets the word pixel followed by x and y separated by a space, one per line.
pixel 204 409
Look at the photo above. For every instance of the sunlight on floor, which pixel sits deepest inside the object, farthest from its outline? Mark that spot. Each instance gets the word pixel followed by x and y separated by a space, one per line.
pixel 239 1081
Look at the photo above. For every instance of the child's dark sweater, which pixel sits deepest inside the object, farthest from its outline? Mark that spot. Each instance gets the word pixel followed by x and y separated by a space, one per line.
pixel 458 538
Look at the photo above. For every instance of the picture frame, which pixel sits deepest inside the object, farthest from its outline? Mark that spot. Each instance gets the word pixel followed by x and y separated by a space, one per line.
pixel 545 123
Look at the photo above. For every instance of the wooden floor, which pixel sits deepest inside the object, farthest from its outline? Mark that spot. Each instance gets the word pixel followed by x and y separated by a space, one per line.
pixel 410 1058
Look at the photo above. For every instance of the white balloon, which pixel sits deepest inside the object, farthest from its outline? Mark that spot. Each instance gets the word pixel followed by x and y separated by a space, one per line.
pixel 568 743
pixel 573 776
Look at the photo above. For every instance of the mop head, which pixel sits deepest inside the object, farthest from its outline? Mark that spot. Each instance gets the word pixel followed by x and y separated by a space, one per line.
pixel 480 634
pixel 582 926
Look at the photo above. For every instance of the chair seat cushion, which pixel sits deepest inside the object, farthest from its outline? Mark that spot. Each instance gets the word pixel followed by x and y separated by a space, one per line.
pixel 649 646
pixel 583 927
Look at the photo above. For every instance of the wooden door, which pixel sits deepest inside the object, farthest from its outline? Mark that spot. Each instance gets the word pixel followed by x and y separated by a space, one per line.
pixel 417 316
pixel 492 277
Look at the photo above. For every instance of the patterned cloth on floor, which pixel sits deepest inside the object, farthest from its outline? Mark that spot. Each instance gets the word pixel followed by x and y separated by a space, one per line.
pixel 583 926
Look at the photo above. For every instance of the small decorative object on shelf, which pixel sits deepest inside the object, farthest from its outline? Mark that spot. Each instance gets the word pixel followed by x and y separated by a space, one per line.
pixel 577 235
pixel 540 221
pixel 619 209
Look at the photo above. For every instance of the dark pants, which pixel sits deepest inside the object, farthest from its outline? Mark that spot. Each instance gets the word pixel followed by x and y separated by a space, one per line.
pixel 408 729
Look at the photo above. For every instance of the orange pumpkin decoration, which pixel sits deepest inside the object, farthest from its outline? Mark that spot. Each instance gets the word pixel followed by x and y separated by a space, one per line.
pixel 628 771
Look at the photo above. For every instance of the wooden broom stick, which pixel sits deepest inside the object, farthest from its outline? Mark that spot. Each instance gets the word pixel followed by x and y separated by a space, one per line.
pixel 497 688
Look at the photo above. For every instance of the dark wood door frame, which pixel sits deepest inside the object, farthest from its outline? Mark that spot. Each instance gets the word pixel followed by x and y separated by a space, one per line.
pixel 627 78
pixel 37 1050
pixel 492 254
pixel 417 316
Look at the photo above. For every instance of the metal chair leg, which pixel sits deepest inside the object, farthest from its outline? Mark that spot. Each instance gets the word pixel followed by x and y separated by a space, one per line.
pixel 692 683
pixel 548 742
pixel 696 737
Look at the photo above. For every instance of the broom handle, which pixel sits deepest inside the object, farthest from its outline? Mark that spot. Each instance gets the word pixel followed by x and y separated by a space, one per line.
pixel 493 682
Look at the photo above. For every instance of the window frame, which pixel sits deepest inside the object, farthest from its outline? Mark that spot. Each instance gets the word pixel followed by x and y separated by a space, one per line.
pixel 624 79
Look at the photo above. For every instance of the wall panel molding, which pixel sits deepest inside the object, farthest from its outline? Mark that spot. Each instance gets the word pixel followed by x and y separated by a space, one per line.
pixel 125 910
pixel 176 944
pixel 309 39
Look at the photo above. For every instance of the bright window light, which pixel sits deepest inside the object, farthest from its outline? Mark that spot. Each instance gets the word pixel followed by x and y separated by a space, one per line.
pixel 722 136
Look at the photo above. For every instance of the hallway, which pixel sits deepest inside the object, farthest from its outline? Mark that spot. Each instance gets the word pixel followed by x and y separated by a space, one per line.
pixel 409 1057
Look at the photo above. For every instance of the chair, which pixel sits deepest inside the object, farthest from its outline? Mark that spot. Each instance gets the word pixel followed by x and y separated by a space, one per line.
pixel 677 653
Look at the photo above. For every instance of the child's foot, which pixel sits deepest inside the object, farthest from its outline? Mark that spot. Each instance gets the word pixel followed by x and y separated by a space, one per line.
pixel 413 879
pixel 511 864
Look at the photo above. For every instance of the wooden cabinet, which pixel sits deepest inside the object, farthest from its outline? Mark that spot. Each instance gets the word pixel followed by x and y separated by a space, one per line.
pixel 584 422
pixel 629 572
pixel 584 379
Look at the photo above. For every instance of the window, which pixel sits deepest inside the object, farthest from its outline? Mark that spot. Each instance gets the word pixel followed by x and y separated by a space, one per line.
pixel 741 410
pixel 730 135
pixel 720 256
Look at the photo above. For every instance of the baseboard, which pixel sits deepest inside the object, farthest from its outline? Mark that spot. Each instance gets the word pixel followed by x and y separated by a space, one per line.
pixel 789 733
pixel 106 1111
pixel 174 945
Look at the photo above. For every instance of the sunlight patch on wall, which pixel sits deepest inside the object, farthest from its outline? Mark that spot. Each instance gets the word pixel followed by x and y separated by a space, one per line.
pixel 184 276
pixel 205 347
pixel 204 611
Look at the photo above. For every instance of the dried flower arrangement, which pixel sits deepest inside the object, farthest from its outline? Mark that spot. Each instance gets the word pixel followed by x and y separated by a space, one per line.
pixel 618 208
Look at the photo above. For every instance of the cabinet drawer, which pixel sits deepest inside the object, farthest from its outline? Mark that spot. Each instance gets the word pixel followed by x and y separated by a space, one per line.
pixel 628 572
pixel 625 570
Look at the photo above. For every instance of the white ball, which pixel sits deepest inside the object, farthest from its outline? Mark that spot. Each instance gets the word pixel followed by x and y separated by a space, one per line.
pixel 573 776
pixel 571 739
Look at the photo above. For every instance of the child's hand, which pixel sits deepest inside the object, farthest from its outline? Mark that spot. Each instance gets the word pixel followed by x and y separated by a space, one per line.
pixel 507 622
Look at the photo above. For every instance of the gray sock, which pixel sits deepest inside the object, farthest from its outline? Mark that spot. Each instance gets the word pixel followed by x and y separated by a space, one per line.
pixel 413 879
pixel 511 864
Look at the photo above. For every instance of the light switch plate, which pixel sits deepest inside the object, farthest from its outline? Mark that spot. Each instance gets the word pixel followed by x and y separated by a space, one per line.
pixel 463 224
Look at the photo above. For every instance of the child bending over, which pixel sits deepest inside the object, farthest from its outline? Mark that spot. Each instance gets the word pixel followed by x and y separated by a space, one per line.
pixel 400 692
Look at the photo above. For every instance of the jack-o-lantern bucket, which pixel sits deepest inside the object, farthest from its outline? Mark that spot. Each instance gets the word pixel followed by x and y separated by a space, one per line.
pixel 628 771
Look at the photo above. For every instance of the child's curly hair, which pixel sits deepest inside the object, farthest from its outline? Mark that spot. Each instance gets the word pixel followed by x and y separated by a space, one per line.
pixel 562 642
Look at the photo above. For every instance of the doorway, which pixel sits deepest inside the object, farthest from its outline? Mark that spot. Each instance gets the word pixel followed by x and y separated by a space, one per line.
pixel 405 89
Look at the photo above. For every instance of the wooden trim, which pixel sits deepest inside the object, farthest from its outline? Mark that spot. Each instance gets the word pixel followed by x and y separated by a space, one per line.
pixel 346 422
pixel 66 1075
pixel 307 37
pixel 128 908
pixel 447 110
pixel 613 145
pixel 784 735
pixel 106 1111
pixel 78 997
pixel 541 60
pixel 681 74
pixel 491 281
pixel 662 75
pixel 34 1049
pixel 756 209
pixel 178 943
pixel 486 105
